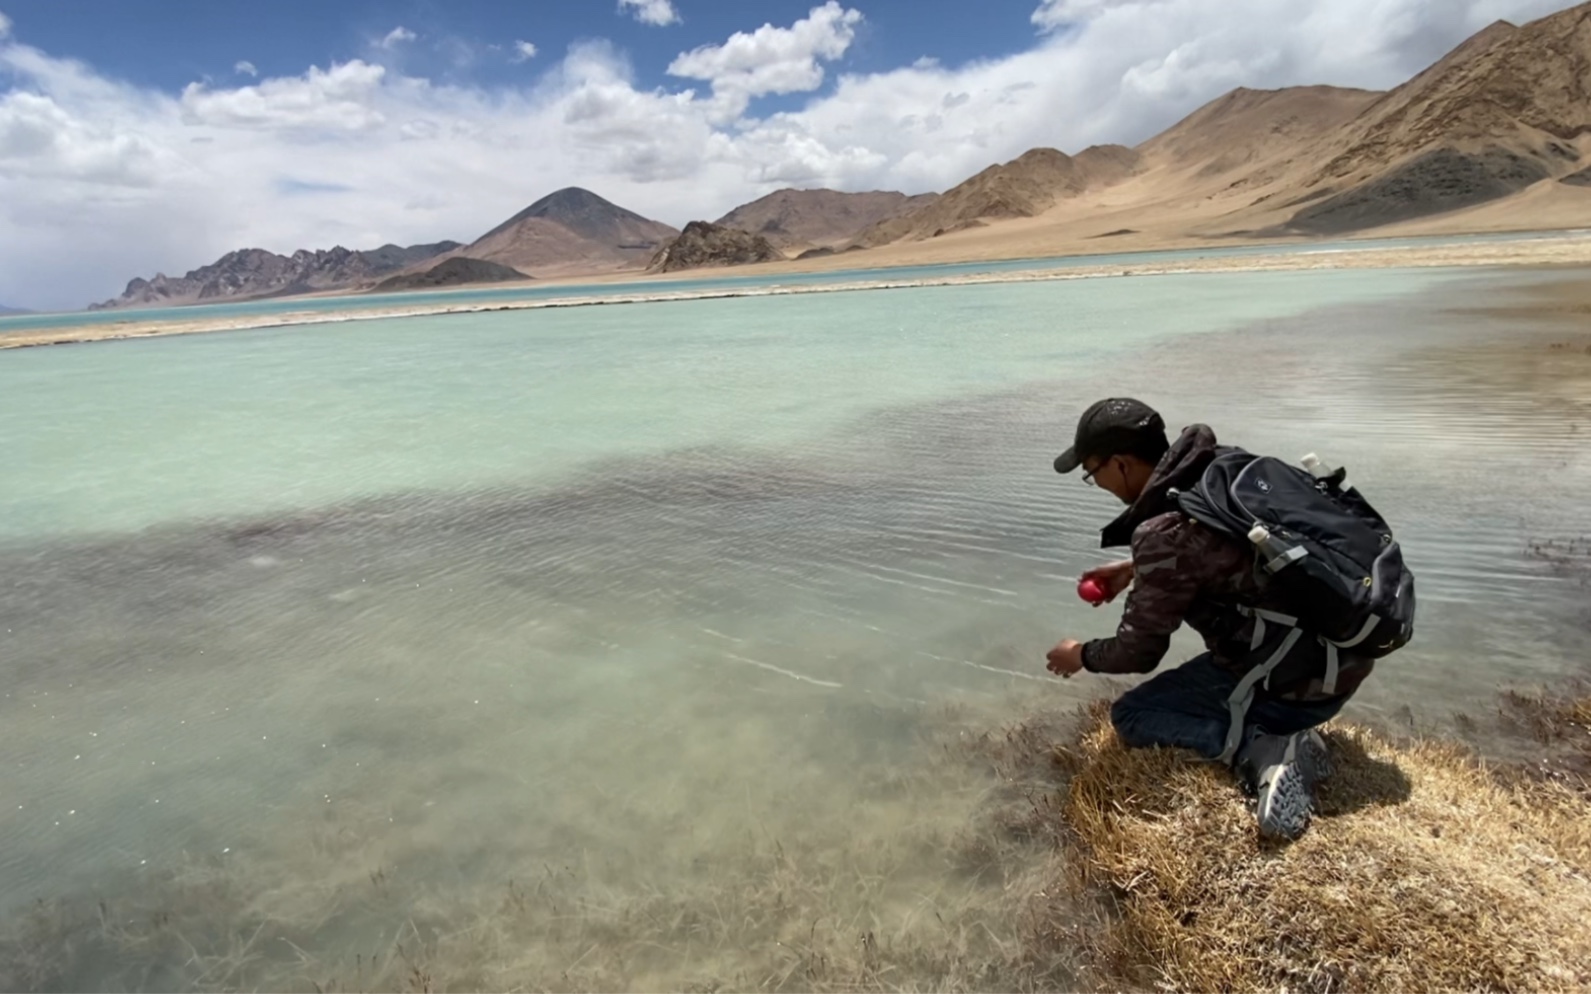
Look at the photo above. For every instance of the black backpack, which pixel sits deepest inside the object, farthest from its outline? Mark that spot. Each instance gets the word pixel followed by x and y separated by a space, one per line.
pixel 1321 549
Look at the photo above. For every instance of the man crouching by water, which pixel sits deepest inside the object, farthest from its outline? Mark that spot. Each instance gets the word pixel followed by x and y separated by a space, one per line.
pixel 1182 571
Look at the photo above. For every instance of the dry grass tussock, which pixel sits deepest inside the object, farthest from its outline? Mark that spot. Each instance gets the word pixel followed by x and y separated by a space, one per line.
pixel 1424 870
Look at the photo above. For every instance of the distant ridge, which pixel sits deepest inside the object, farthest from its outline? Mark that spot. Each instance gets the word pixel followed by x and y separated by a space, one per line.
pixel 255 273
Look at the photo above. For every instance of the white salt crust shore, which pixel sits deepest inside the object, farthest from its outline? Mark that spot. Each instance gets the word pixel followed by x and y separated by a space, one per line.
pixel 1545 252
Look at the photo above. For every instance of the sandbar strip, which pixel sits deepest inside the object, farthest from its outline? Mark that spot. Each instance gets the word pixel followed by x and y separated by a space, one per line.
pixel 1544 252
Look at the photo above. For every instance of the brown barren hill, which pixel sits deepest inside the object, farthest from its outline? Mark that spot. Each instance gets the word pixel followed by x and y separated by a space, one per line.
pixel 1505 110
pixel 819 218
pixel 702 244
pixel 1026 186
pixel 1245 128
pixel 457 271
pixel 1477 142
pixel 571 232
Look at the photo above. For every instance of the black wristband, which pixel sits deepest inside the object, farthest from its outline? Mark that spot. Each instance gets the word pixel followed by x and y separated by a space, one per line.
pixel 1088 650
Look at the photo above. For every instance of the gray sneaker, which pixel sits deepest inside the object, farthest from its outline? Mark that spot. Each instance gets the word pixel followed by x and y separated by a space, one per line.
pixel 1312 752
pixel 1280 780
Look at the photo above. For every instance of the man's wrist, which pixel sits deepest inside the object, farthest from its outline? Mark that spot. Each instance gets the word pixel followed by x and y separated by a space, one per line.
pixel 1086 654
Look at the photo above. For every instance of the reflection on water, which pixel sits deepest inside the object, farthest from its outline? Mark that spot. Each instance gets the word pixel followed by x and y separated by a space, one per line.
pixel 699 716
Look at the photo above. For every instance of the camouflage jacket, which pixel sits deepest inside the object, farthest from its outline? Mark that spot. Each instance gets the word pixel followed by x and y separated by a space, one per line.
pixel 1186 572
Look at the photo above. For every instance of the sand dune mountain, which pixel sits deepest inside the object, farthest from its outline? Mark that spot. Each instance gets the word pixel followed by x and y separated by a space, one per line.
pixel 1503 111
pixel 1461 97
pixel 800 219
pixel 1024 187
pixel 569 232
pixel 1246 129
pixel 1508 115
pixel 1490 137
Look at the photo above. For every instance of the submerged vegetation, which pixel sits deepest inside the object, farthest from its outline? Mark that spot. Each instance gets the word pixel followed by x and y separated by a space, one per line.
pixel 1077 864
pixel 885 895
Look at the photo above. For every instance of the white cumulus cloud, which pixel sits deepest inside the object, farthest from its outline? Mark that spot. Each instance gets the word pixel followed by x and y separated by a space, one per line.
pixel 1053 14
pixel 5 25
pixel 338 98
pixel 41 139
pixel 397 36
pixel 102 180
pixel 656 12
pixel 769 59
pixel 245 68
pixel 524 50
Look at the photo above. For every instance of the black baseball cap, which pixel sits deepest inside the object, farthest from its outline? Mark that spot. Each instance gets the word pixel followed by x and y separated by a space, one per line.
pixel 1114 426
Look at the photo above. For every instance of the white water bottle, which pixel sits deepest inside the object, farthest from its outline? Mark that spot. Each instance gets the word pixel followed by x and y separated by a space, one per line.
pixel 1321 471
pixel 1272 553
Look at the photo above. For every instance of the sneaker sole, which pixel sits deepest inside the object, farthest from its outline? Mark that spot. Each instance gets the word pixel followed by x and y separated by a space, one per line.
pixel 1282 807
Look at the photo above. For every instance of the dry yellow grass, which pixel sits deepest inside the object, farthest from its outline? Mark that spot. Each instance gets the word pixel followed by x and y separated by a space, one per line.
pixel 1424 871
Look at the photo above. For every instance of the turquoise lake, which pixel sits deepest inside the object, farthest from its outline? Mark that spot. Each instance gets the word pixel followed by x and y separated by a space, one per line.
pixel 324 635
pixel 716 282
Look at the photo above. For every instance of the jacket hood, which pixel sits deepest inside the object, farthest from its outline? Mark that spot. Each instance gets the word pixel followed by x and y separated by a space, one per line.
pixel 1178 469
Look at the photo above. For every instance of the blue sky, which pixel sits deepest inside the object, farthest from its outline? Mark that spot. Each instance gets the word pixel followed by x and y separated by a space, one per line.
pixel 172 43
pixel 145 136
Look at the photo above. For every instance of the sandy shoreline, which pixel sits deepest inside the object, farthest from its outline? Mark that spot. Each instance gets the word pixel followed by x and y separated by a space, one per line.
pixel 1546 252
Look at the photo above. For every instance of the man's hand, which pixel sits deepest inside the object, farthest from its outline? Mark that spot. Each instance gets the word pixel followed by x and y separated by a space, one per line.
pixel 1066 658
pixel 1112 578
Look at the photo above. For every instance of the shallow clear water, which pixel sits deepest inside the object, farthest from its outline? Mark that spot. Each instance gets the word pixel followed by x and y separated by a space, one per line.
pixel 632 598
pixel 133 433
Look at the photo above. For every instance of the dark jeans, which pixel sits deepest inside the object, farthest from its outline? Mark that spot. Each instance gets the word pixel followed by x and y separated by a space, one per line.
pixel 1187 707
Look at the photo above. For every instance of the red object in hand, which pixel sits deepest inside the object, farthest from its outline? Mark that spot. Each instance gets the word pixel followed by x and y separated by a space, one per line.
pixel 1090 591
